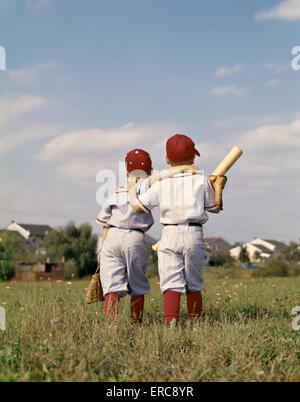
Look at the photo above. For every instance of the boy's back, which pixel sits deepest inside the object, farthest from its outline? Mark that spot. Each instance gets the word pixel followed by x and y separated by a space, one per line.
pixel 183 199
pixel 117 211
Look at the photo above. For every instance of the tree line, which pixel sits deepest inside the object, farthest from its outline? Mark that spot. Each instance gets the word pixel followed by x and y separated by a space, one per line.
pixel 77 244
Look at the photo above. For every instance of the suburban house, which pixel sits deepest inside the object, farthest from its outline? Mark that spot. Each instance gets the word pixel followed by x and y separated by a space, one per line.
pixel 31 234
pixel 216 246
pixel 258 249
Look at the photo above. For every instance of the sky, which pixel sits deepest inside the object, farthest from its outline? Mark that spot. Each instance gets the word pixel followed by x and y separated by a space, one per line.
pixel 88 80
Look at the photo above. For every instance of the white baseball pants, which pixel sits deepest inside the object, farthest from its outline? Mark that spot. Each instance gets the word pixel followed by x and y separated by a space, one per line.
pixel 124 258
pixel 181 257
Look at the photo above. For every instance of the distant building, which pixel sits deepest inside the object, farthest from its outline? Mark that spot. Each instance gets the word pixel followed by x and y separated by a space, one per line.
pixel 216 246
pixel 259 249
pixel 38 271
pixel 32 234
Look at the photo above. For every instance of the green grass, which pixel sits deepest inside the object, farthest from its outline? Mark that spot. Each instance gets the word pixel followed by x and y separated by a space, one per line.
pixel 245 335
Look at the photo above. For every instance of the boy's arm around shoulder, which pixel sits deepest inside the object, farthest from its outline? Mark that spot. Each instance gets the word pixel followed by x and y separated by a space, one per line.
pixel 133 189
pixel 170 171
pixel 150 187
pixel 144 202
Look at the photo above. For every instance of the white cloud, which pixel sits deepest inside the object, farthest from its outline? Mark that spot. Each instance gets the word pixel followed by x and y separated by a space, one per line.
pixel 79 155
pixel 277 68
pixel 286 10
pixel 280 136
pixel 85 169
pixel 269 150
pixel 16 137
pixel 31 74
pixel 224 71
pixel 273 83
pixel 14 132
pixel 268 119
pixel 13 107
pixel 248 121
pixel 101 142
pixel 229 90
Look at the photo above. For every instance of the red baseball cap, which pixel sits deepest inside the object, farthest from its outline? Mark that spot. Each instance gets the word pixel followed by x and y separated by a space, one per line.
pixel 138 159
pixel 181 148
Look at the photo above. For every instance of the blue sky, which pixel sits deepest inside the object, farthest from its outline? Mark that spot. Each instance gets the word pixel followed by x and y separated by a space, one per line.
pixel 78 72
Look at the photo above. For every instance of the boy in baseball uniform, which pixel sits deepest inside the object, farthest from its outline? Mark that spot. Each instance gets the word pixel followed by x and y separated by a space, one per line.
pixel 124 253
pixel 184 200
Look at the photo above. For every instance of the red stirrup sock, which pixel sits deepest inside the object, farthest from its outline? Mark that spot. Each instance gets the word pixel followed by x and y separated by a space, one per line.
pixel 194 305
pixel 137 308
pixel 171 306
pixel 111 304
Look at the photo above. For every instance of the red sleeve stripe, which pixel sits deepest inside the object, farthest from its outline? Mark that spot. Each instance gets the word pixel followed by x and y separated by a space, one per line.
pixel 147 209
pixel 99 220
pixel 213 206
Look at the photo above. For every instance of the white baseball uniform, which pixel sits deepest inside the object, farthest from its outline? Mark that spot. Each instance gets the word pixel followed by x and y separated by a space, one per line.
pixel 124 254
pixel 183 200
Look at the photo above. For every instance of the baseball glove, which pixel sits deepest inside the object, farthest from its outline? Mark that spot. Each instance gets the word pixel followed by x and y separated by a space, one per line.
pixel 94 292
pixel 218 183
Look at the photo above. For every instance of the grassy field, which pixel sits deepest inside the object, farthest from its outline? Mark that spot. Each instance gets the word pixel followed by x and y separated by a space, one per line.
pixel 245 335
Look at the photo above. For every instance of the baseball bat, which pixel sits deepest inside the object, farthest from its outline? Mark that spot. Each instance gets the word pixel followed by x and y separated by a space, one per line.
pixel 228 161
pixel 155 246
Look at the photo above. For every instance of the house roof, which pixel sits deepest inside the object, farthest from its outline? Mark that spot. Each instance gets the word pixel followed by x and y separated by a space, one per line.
pixel 277 244
pixel 36 230
pixel 208 240
pixel 263 249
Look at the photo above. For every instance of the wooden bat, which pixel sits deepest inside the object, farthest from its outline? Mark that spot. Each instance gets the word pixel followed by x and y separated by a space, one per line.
pixel 228 161
pixel 223 167
pixel 155 246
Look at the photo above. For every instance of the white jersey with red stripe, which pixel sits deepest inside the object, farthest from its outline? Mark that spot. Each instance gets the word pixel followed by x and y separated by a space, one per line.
pixel 183 198
pixel 118 212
